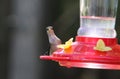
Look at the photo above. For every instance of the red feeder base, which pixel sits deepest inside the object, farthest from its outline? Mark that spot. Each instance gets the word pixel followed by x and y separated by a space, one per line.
pixel 83 55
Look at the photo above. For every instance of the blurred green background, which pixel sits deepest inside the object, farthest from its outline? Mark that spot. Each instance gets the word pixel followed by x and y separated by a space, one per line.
pixel 23 39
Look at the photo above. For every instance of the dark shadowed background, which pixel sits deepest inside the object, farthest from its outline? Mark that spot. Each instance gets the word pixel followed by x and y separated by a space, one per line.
pixel 23 39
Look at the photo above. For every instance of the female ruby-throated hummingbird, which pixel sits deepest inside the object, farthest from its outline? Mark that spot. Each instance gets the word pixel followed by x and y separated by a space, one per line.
pixel 53 39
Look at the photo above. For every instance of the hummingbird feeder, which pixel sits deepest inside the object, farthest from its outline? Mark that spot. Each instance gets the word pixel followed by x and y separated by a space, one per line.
pixel 95 45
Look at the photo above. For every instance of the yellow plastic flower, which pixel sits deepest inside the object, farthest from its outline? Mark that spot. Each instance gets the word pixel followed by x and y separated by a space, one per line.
pixel 66 45
pixel 101 46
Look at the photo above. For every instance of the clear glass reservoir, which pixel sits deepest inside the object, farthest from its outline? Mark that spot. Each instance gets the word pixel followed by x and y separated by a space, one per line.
pixel 97 18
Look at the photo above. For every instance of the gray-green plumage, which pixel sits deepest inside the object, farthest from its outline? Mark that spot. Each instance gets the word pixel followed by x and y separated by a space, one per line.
pixel 53 39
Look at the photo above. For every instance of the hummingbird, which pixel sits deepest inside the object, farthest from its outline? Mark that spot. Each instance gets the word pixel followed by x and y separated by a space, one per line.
pixel 53 39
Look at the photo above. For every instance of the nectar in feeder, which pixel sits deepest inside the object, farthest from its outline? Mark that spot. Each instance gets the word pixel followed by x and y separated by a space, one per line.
pixel 97 18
